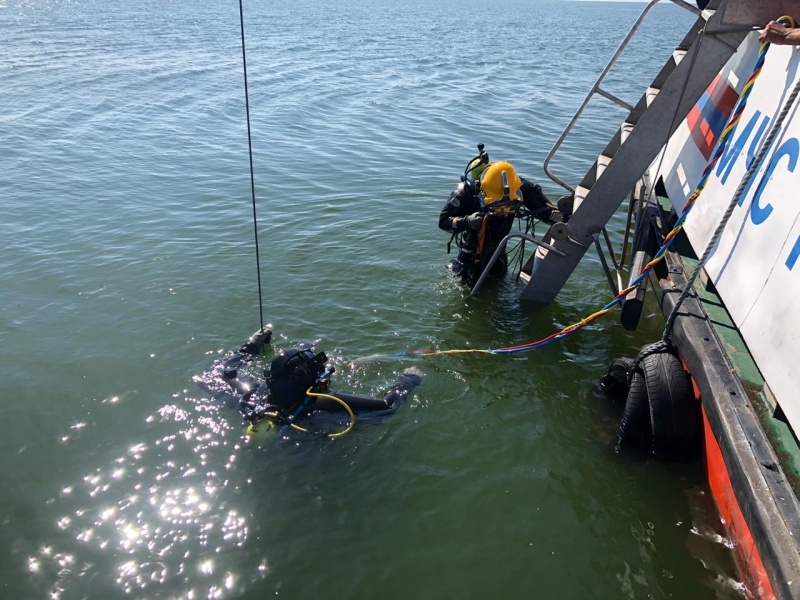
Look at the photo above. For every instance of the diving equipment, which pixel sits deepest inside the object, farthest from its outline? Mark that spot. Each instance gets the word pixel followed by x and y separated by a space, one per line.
pixel 500 182
pixel 296 385
pixel 475 168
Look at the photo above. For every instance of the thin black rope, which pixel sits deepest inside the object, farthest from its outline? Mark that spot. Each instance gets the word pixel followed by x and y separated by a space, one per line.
pixel 252 176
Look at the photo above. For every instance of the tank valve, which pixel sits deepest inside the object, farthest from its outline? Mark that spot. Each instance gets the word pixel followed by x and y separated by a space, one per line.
pixel 257 341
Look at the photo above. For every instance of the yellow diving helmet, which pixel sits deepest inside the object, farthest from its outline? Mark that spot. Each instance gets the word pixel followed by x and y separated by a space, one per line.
pixel 500 182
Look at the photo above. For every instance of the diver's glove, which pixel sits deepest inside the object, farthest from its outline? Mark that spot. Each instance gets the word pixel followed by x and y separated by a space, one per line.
pixel 556 217
pixel 533 194
pixel 474 221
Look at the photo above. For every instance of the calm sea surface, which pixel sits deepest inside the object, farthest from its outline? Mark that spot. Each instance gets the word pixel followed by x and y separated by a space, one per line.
pixel 128 266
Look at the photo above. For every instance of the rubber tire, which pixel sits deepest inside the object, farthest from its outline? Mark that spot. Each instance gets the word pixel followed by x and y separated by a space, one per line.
pixel 674 412
pixel 635 427
pixel 614 383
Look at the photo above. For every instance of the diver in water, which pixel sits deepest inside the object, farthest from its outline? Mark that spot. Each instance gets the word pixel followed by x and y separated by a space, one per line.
pixel 297 385
pixel 481 211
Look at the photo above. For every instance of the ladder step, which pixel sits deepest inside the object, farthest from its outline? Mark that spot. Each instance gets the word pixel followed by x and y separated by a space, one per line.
pixel 580 196
pixel 602 162
pixel 625 130
pixel 678 55
pixel 650 95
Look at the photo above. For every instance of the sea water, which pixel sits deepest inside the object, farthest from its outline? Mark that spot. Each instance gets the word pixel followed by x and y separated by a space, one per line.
pixel 128 267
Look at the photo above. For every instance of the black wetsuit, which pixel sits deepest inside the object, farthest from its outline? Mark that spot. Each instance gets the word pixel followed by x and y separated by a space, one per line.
pixel 291 373
pixel 463 201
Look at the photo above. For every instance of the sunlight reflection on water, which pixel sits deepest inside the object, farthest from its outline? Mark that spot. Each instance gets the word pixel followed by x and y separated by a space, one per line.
pixel 161 508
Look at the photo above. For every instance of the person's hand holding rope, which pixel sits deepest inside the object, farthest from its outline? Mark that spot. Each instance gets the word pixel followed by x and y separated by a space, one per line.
pixel 780 35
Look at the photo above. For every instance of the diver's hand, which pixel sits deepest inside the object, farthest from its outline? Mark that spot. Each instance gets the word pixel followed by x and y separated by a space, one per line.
pixel 778 34
pixel 556 217
pixel 474 221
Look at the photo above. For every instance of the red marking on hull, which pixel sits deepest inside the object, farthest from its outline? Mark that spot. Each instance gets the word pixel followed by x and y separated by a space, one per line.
pixel 748 561
pixel 720 99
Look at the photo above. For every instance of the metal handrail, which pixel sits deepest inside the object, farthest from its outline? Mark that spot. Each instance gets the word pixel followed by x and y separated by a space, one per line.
pixel 615 286
pixel 501 248
pixel 596 89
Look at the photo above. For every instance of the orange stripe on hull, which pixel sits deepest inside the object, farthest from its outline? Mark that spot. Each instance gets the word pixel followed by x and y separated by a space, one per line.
pixel 748 560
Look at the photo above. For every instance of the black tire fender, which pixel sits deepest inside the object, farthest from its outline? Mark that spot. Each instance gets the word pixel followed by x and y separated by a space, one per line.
pixel 615 381
pixel 674 412
pixel 635 426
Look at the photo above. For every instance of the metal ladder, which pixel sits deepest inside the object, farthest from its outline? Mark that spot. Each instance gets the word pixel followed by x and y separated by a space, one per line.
pixel 615 174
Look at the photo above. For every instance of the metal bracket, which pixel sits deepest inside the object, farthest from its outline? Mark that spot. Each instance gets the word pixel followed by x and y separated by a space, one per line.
pixel 501 248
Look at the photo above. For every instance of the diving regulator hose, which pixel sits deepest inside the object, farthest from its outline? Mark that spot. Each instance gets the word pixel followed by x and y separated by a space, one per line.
pixel 251 429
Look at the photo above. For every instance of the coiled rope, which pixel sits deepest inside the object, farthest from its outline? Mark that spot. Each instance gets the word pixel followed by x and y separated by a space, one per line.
pixel 664 343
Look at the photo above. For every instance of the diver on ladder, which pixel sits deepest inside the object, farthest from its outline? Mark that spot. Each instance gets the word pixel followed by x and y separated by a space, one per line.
pixel 296 385
pixel 482 209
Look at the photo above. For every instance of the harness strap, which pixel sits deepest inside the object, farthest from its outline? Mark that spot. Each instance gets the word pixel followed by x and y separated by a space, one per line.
pixel 482 236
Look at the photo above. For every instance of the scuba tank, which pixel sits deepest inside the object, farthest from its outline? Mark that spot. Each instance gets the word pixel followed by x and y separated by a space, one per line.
pixel 291 373
pixel 474 168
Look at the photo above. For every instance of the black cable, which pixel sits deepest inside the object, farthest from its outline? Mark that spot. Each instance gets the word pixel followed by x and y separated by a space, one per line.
pixel 252 177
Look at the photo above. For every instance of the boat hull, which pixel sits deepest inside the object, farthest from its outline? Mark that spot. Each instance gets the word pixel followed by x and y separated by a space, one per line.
pixel 757 504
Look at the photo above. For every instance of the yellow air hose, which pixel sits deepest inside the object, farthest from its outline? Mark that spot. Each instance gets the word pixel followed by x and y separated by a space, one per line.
pixel 252 429
pixel 335 399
